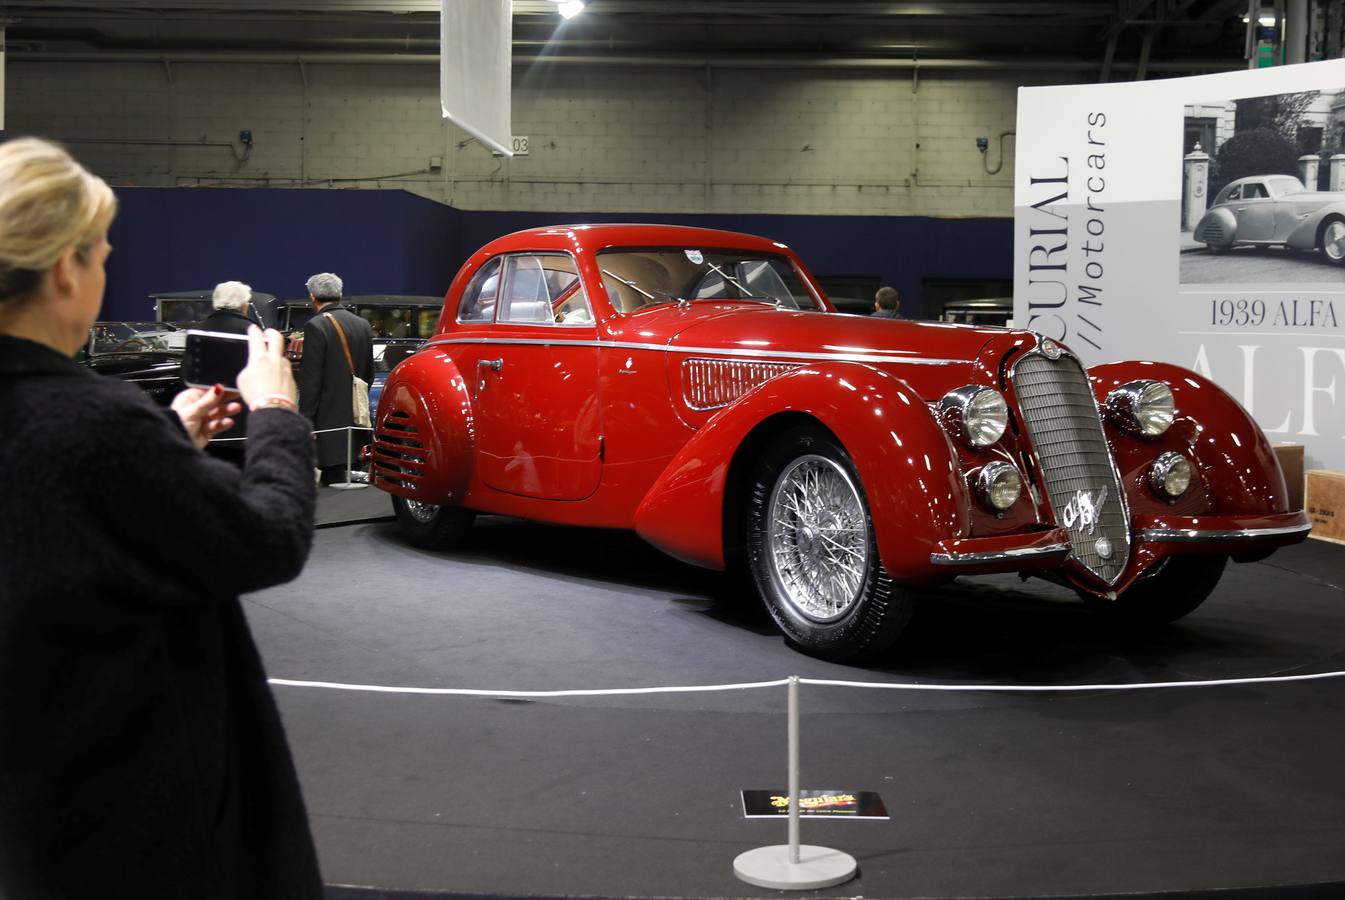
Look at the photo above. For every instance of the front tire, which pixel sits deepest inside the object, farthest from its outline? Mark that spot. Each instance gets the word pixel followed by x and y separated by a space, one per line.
pixel 1177 589
pixel 1331 241
pixel 432 527
pixel 812 554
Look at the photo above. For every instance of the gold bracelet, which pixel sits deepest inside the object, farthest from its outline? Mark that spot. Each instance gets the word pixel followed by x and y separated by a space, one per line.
pixel 275 401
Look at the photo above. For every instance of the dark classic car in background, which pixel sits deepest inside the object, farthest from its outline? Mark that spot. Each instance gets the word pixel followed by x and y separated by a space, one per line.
pixel 1266 210
pixel 698 387
pixel 150 353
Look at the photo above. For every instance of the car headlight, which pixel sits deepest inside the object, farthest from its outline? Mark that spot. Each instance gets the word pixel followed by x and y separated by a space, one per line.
pixel 1145 408
pixel 1170 475
pixel 975 415
pixel 999 486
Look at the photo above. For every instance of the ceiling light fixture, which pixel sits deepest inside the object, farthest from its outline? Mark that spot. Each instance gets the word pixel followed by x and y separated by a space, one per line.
pixel 568 9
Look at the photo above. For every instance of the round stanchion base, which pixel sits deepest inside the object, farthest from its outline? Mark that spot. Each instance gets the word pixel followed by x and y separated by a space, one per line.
pixel 347 486
pixel 818 867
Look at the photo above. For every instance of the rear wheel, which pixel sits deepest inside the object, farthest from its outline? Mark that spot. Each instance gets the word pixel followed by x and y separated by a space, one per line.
pixel 430 526
pixel 812 554
pixel 1331 241
pixel 1178 588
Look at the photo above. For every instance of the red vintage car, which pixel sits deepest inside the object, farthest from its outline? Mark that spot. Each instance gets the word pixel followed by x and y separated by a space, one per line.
pixel 698 387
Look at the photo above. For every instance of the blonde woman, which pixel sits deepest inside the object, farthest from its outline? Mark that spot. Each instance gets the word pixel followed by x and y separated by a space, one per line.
pixel 141 753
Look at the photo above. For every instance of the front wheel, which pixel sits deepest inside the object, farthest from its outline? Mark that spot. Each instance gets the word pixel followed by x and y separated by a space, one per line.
pixel 1332 241
pixel 432 527
pixel 812 554
pixel 1177 589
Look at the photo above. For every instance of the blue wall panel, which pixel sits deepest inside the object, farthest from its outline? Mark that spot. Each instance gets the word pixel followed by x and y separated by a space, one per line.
pixel 392 242
pixel 180 239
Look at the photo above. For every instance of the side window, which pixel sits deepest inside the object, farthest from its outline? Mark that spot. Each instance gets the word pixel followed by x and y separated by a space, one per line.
pixel 478 300
pixel 544 289
pixel 1234 194
pixel 1254 191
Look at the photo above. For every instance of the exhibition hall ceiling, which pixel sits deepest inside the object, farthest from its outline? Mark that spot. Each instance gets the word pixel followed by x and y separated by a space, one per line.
pixel 1116 39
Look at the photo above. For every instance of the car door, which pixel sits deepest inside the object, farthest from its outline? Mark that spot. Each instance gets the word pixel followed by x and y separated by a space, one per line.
pixel 537 384
pixel 1256 213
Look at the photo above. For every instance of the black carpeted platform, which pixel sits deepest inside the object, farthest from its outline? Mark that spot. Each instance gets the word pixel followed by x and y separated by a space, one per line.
pixel 1185 790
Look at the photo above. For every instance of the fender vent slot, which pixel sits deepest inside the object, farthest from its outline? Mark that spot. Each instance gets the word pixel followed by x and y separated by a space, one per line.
pixel 715 383
pixel 398 454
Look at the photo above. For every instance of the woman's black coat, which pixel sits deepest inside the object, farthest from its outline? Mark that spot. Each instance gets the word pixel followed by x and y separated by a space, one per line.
pixel 141 752
pixel 324 379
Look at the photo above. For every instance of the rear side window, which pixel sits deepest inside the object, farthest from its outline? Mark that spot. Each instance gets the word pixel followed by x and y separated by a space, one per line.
pixel 478 300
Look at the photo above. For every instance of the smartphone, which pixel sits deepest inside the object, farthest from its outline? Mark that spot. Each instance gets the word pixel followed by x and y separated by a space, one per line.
pixel 214 357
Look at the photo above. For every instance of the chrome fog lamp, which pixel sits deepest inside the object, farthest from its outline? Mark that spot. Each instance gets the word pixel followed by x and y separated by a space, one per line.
pixel 999 486
pixel 975 415
pixel 1170 475
pixel 1145 408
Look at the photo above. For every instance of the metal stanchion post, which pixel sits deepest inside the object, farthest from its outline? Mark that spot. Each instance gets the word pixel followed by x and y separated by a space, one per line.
pixel 794 866
pixel 348 485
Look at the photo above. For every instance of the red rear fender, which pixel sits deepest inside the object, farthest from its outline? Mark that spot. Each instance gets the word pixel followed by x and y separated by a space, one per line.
pixel 423 433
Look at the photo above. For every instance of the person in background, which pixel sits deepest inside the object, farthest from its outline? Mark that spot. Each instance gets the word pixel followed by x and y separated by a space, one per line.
pixel 231 301
pixel 141 751
pixel 336 341
pixel 887 303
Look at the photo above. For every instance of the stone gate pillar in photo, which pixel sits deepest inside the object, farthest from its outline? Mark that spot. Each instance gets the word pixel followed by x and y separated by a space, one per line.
pixel 1195 182
pixel 1337 175
pixel 1308 166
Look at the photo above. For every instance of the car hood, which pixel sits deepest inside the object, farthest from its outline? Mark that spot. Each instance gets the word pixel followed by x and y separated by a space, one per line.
pixel 929 355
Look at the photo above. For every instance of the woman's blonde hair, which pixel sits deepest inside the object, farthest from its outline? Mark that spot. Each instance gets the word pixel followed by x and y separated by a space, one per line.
pixel 48 204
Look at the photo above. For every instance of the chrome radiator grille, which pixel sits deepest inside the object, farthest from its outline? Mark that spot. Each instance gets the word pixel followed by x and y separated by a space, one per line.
pixel 1057 405
pixel 712 383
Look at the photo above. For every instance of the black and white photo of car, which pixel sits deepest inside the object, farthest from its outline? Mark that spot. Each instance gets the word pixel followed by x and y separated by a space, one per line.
pixel 1275 210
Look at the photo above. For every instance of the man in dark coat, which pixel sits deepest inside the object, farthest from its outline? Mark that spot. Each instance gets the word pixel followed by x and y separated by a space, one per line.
pixel 325 376
pixel 231 301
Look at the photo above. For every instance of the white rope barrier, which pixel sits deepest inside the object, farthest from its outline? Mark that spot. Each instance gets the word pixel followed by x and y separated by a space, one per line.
pixel 898 686
pixel 471 692
pixel 794 865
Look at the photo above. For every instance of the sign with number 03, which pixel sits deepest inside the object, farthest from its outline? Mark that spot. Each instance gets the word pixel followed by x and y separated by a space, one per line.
pixel 520 147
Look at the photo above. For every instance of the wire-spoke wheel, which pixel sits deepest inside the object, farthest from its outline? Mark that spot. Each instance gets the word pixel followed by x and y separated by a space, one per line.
pixel 1332 241
pixel 430 526
pixel 812 553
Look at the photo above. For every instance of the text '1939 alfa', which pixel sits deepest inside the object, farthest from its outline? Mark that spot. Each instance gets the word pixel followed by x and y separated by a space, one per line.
pixel 698 387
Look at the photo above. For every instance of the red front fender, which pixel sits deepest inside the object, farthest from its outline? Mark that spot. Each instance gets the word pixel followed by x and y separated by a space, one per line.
pixel 916 493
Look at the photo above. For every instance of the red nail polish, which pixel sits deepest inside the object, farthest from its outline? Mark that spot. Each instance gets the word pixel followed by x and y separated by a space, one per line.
pixel 218 389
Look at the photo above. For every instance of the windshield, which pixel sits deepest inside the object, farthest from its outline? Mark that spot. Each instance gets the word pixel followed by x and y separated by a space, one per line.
pixel 134 337
pixel 638 278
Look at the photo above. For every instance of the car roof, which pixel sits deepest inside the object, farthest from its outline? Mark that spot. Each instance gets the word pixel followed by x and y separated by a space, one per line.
pixel 593 238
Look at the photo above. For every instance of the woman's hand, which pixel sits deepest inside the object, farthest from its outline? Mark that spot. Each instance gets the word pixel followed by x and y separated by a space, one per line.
pixel 206 412
pixel 268 374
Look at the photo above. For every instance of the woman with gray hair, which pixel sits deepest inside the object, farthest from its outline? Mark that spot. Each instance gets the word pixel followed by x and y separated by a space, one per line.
pixel 141 752
pixel 232 301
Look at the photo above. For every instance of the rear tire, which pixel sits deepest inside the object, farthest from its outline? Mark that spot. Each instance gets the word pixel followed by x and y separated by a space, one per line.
pixel 1331 240
pixel 1183 584
pixel 812 554
pixel 432 527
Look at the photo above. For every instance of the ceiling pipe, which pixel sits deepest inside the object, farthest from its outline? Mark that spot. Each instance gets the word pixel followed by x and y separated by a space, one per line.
pixel 642 62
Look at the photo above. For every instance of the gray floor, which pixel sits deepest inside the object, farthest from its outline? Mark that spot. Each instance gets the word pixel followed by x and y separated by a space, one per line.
pixel 991 795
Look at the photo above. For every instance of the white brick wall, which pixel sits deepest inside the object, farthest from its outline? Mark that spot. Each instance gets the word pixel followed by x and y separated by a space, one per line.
pixel 603 139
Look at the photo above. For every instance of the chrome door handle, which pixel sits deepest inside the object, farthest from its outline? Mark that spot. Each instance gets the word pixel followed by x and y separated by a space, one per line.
pixel 493 364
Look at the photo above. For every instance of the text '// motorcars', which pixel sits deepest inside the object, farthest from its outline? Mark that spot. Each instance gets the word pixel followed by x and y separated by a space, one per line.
pixel 698 387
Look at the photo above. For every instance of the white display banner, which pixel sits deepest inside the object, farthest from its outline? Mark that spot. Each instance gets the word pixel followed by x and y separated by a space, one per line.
pixel 475 55
pixel 1169 220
